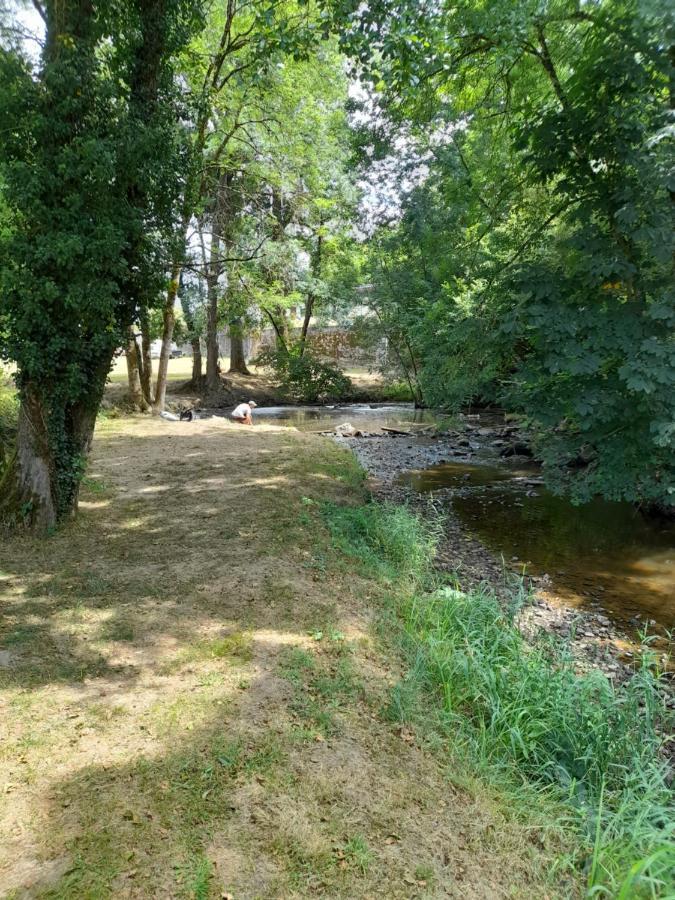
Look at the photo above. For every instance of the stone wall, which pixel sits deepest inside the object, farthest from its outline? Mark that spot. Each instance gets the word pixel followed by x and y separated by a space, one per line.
pixel 332 343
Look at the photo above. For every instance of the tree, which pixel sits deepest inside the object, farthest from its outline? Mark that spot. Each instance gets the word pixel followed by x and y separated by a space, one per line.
pixel 91 158
pixel 225 68
pixel 536 258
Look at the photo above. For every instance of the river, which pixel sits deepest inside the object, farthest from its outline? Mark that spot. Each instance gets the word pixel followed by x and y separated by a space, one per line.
pixel 599 554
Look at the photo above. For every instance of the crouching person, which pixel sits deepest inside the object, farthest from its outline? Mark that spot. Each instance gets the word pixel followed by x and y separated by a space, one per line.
pixel 244 413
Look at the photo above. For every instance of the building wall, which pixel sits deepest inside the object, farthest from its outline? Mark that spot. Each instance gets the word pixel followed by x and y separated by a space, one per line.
pixel 331 342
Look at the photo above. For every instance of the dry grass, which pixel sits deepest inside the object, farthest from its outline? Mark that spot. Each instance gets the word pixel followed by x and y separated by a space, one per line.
pixel 190 694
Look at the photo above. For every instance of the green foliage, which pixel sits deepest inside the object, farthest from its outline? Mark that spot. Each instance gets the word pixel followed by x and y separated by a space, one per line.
pixel 533 262
pixel 520 713
pixel 303 377
pixel 388 539
pixel 9 416
pixel 524 711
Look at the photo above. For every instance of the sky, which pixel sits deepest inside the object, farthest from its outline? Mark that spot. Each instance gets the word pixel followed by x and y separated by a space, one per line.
pixel 24 17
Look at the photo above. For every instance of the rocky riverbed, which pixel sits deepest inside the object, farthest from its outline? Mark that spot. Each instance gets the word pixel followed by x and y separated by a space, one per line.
pixel 595 639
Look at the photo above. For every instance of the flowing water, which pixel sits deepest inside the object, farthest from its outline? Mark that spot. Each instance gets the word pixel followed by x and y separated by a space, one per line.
pixel 362 416
pixel 600 553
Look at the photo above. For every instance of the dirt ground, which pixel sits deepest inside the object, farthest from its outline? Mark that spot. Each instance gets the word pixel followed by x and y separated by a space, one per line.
pixel 366 386
pixel 192 694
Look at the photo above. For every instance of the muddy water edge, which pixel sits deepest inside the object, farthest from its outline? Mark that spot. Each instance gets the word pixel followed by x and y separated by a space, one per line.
pixel 602 576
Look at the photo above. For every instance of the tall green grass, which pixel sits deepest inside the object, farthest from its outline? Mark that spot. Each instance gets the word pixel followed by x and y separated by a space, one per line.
pixel 521 715
pixel 385 538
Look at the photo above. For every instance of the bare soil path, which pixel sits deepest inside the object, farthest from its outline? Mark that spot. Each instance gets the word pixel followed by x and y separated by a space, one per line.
pixel 191 695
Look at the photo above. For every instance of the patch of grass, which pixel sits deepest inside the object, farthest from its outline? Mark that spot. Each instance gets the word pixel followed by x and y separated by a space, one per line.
pixel 343 468
pixel 522 711
pixel 94 486
pixel 117 630
pixel 519 715
pixel 264 759
pixel 358 853
pixel 22 634
pixel 235 757
pixel 196 876
pixel 388 540
pixel 321 687
pixel 338 683
pixel 304 853
pixel 425 873
pixel 295 664
pixel 236 648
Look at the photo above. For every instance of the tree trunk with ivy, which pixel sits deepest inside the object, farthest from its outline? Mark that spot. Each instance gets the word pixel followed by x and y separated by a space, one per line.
pixel 41 483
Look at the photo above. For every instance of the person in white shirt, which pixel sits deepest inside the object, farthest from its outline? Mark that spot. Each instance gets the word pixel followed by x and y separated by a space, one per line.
pixel 244 412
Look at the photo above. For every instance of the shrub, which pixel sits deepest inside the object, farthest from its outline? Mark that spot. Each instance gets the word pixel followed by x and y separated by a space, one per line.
pixel 9 415
pixel 304 377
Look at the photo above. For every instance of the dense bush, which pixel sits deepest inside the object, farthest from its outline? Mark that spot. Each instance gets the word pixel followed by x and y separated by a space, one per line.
pixel 304 377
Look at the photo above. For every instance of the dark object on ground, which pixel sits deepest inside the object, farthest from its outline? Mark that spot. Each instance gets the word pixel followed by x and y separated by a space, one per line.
pixel 187 415
pixel 397 431
pixel 517 449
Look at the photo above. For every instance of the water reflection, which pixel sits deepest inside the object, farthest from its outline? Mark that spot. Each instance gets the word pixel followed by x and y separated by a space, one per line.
pixel 363 416
pixel 602 551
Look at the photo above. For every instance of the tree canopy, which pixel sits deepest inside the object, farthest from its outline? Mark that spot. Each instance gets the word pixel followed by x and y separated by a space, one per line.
pixel 495 178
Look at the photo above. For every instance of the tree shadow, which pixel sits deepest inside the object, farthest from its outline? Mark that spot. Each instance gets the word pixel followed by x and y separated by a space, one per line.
pixel 182 533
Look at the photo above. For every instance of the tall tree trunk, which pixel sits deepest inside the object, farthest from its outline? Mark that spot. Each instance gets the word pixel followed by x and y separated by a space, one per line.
pixel 279 334
pixel 237 355
pixel 311 298
pixel 133 372
pixel 212 349
pixel 169 313
pixel 169 320
pixel 281 328
pixel 196 360
pixel 41 484
pixel 309 306
pixel 145 359
pixel 221 220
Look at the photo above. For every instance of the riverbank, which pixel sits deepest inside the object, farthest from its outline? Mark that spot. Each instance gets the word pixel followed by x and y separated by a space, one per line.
pixel 217 682
pixel 195 695
pixel 595 637
pixel 233 388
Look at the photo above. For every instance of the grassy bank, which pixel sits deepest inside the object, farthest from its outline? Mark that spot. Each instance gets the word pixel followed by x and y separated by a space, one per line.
pixel 233 674
pixel 194 703
pixel 580 751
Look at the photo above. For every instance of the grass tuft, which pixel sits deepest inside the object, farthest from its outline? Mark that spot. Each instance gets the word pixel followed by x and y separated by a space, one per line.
pixel 387 539
pixel 358 853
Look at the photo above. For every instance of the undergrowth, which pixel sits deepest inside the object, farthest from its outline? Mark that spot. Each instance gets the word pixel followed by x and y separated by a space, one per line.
pixel 9 414
pixel 519 714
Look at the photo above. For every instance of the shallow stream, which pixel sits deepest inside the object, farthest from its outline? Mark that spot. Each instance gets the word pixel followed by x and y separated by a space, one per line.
pixel 362 416
pixel 601 554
